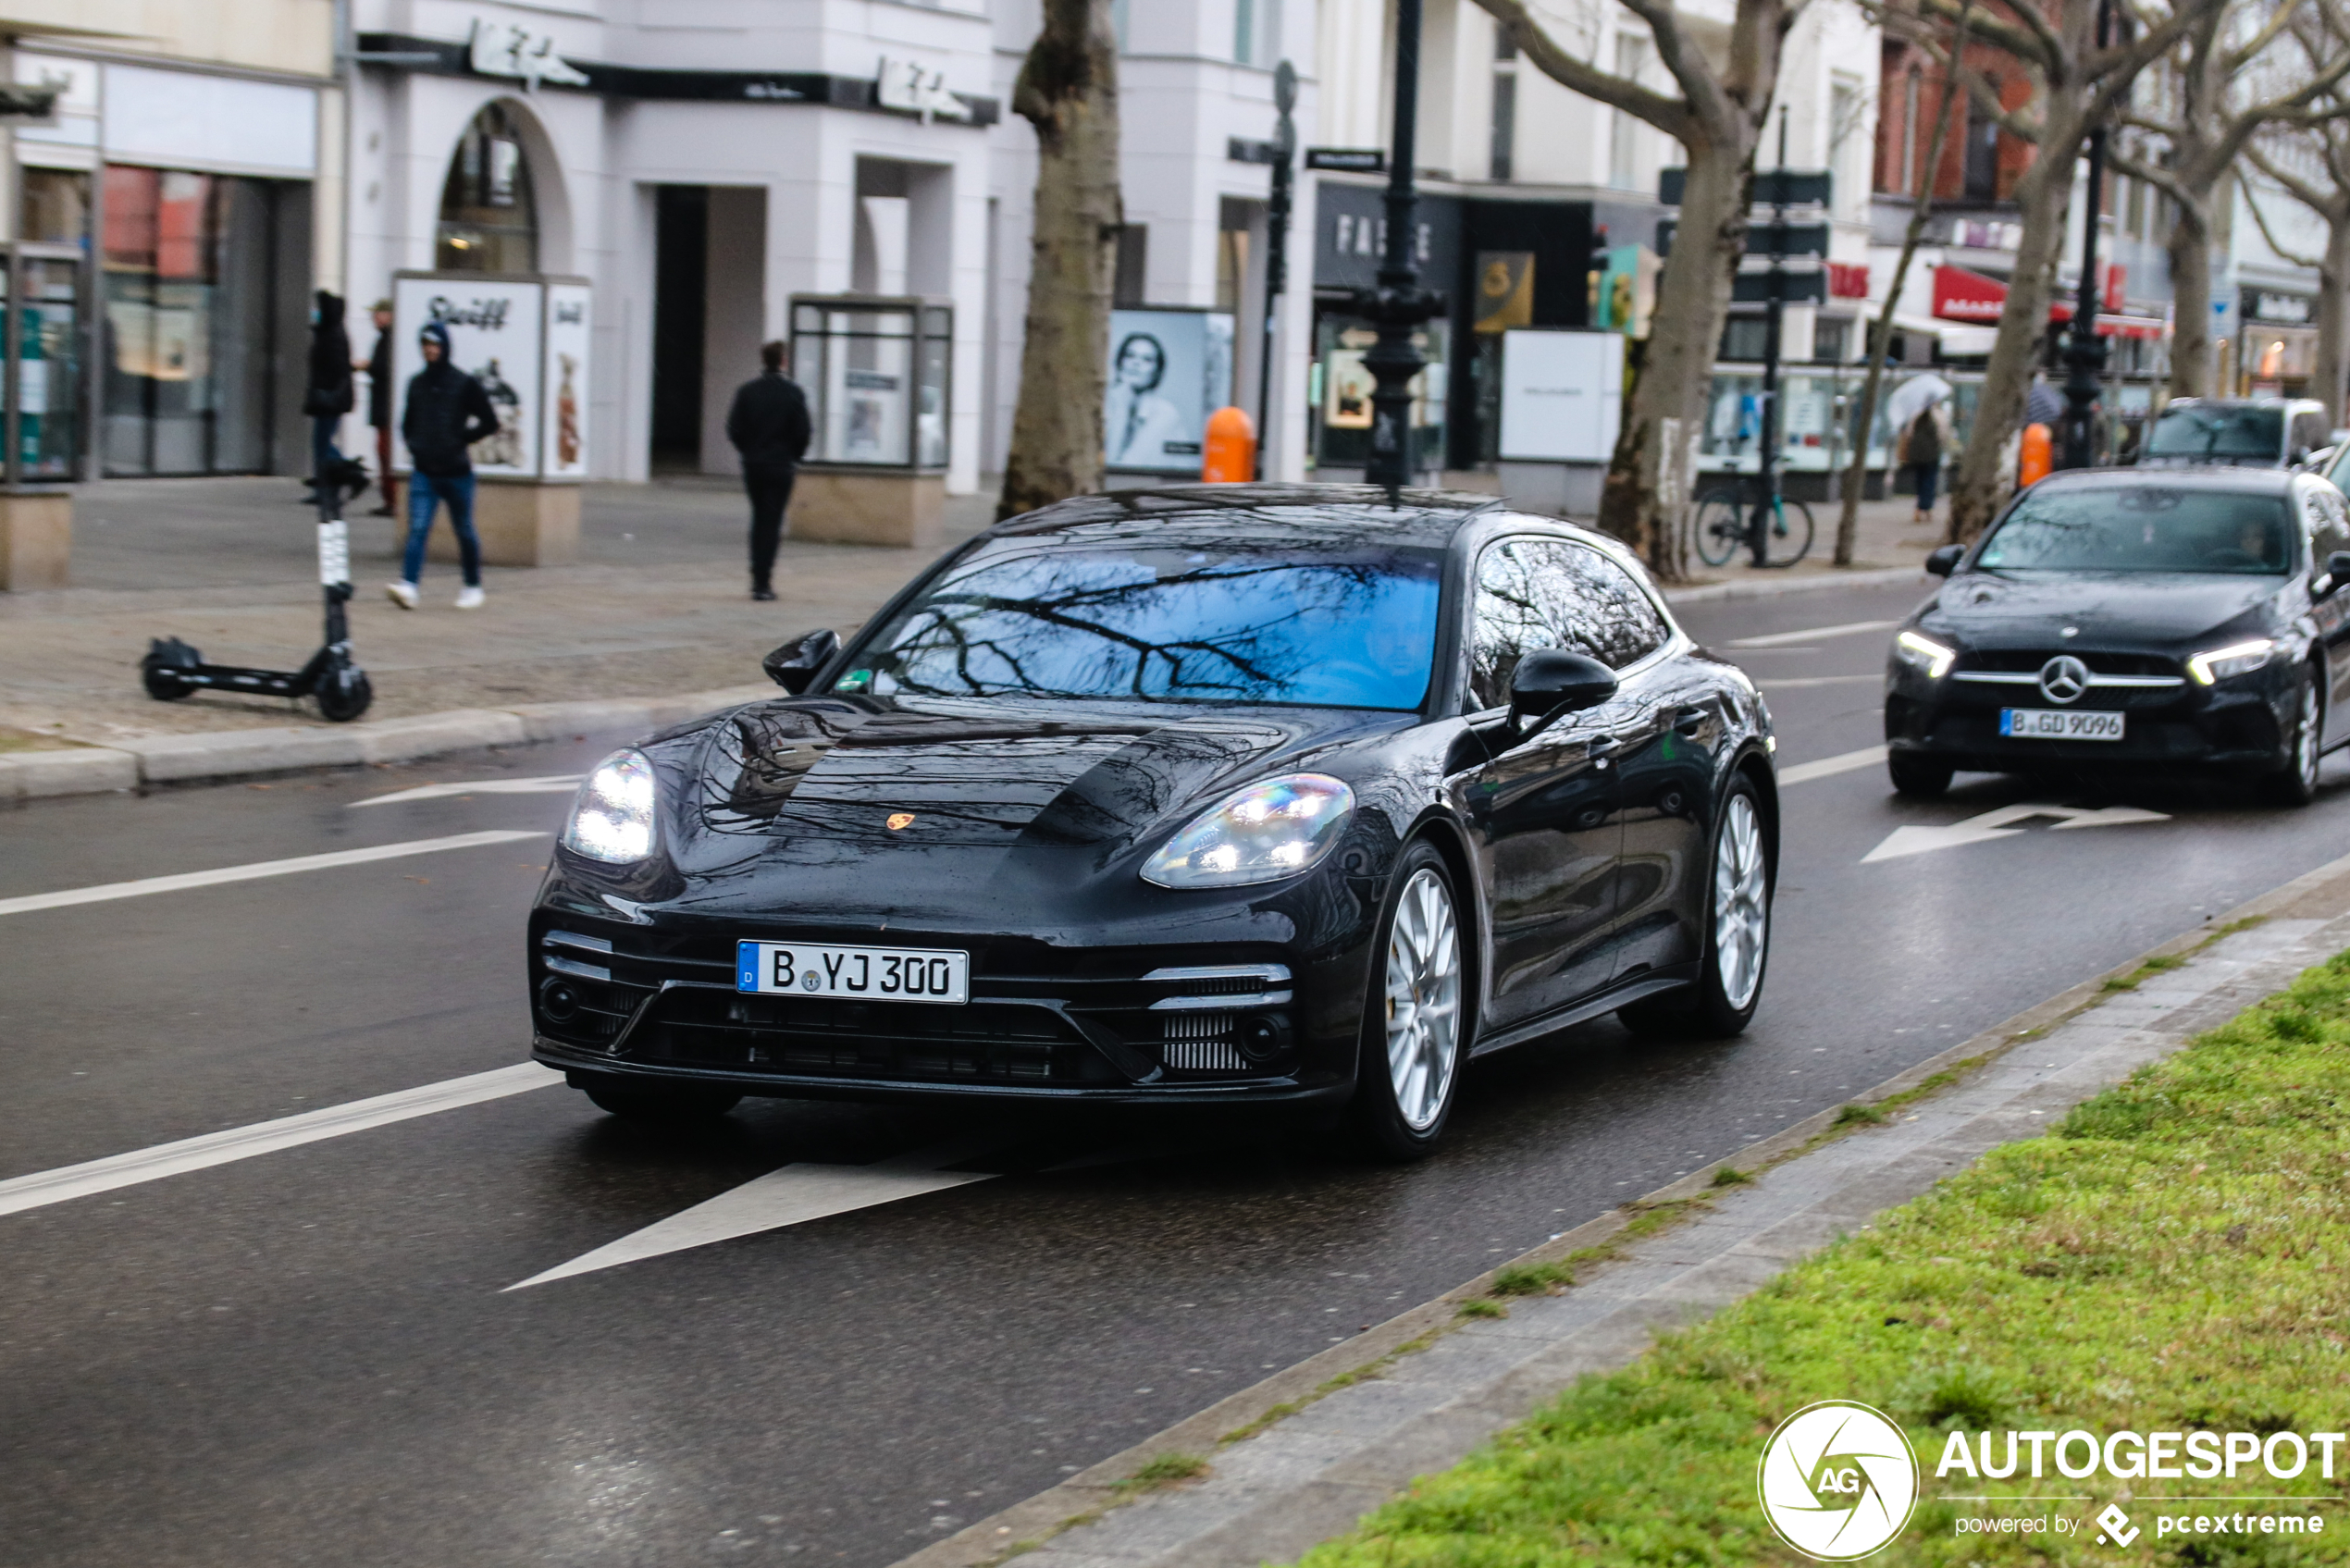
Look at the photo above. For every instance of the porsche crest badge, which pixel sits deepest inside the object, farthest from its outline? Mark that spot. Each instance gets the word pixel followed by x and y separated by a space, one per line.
pixel 900 820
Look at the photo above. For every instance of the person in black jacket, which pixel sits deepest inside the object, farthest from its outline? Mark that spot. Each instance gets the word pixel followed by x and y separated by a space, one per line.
pixel 328 394
pixel 768 425
pixel 379 369
pixel 447 413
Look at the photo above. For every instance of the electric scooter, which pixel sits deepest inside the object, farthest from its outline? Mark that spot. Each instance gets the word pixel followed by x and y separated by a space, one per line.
pixel 172 670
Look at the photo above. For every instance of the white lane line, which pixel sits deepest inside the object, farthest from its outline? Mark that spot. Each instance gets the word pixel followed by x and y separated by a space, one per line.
pixel 1849 628
pixel 792 1194
pixel 1828 767
pixel 553 784
pixel 1771 684
pixel 105 891
pixel 43 1188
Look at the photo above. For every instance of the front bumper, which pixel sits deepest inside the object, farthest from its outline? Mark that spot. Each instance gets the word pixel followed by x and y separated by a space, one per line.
pixel 1116 1025
pixel 2237 728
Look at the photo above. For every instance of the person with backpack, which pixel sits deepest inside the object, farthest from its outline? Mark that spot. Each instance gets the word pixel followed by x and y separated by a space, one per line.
pixel 1921 442
pixel 447 412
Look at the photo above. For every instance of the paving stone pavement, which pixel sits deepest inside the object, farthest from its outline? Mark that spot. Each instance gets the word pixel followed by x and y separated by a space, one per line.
pixel 1270 1498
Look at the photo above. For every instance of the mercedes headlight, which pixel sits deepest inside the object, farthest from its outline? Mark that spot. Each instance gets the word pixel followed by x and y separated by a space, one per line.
pixel 2236 659
pixel 1263 833
pixel 1924 653
pixel 613 819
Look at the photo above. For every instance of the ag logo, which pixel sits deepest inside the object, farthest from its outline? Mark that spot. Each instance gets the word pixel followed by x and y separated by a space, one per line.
pixel 1837 1481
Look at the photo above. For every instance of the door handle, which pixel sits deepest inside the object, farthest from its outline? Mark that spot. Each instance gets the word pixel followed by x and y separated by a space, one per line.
pixel 1688 721
pixel 1601 748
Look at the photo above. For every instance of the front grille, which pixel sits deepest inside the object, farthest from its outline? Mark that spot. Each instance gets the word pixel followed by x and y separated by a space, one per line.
pixel 1200 1043
pixel 2024 661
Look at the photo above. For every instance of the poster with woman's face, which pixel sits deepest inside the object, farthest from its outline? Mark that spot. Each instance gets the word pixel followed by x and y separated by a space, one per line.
pixel 1169 370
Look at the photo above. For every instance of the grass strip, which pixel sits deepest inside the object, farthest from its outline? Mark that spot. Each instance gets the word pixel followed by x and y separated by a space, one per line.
pixel 2174 1255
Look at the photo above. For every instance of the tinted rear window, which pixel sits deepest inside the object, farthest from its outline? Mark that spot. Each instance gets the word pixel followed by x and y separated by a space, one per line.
pixel 2202 430
pixel 2142 528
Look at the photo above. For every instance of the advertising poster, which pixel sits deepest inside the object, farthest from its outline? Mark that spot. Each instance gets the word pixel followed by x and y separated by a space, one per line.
pixel 494 333
pixel 1169 370
pixel 562 439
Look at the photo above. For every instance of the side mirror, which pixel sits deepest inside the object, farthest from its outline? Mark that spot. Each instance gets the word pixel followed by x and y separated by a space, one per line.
pixel 1552 681
pixel 2298 458
pixel 2337 573
pixel 795 665
pixel 1944 561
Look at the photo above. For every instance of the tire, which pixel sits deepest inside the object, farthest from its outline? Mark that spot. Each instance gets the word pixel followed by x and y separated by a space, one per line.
pixel 1920 778
pixel 344 694
pixel 654 1104
pixel 165 655
pixel 1785 550
pixel 1720 526
pixel 2295 784
pixel 1409 1071
pixel 1737 932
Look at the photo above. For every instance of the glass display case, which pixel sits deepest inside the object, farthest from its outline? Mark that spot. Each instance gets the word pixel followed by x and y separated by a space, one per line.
pixel 876 369
pixel 41 389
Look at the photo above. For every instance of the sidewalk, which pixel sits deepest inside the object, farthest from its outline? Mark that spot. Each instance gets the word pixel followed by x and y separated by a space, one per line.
pixel 657 606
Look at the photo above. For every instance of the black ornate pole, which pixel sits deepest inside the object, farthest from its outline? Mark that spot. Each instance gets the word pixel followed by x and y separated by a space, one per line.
pixel 1276 211
pixel 1398 304
pixel 2084 350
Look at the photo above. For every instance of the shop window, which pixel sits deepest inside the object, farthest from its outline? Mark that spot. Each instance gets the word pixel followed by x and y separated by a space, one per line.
pixel 54 204
pixel 1504 143
pixel 1744 337
pixel 1130 279
pixel 1623 161
pixel 489 213
pixel 1257 31
pixel 1832 339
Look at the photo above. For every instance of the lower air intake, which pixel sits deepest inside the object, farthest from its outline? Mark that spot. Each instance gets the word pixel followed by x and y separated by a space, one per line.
pixel 1200 1043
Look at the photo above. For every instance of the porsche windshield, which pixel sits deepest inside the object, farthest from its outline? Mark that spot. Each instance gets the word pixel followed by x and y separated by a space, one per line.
pixel 2142 528
pixel 1344 628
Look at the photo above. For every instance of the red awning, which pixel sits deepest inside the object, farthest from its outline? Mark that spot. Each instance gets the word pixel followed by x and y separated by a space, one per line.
pixel 1962 295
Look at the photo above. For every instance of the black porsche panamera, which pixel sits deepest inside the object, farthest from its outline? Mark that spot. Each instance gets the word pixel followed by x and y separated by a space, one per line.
pixel 1236 795
pixel 2134 622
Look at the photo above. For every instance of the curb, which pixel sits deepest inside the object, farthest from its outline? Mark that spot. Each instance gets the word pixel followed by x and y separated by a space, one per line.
pixel 1097 1490
pixel 1811 582
pixel 226 754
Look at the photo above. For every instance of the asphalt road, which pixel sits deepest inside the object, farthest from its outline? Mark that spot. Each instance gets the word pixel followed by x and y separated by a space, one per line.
pixel 312 1354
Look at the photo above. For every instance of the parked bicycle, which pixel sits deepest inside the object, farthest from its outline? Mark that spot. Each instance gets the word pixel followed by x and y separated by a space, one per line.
pixel 1726 516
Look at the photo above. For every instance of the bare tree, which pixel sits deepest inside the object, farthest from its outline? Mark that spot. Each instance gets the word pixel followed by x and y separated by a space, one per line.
pixel 1847 524
pixel 2222 94
pixel 2326 192
pixel 1726 85
pixel 1068 89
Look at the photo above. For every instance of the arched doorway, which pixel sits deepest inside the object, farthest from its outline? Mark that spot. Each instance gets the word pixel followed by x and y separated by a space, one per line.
pixel 489 206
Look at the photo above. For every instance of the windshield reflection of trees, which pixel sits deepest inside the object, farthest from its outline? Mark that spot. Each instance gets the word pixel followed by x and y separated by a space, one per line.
pixel 1172 625
pixel 2144 529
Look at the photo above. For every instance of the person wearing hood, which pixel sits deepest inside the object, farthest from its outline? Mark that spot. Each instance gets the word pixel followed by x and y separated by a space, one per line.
pixel 446 412
pixel 329 393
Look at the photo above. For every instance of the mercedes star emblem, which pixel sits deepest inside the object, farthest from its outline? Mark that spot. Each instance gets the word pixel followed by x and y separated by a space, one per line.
pixel 2063 678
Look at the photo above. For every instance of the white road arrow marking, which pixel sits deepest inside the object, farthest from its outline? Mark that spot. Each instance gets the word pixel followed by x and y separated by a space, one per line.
pixel 554 784
pixel 792 1194
pixel 1997 824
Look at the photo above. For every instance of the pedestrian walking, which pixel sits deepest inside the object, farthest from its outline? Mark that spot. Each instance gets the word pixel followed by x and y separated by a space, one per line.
pixel 378 368
pixel 327 396
pixel 768 425
pixel 1921 441
pixel 447 412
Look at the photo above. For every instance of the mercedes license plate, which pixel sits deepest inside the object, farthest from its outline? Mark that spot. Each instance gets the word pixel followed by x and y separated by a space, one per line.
pixel 2054 723
pixel 863 974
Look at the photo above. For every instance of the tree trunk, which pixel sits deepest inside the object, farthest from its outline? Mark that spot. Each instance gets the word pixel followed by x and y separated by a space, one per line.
pixel 1068 89
pixel 1981 485
pixel 2334 277
pixel 1646 500
pixel 2190 252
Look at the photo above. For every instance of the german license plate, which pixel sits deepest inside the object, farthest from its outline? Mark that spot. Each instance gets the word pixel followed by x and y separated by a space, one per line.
pixel 864 974
pixel 2053 724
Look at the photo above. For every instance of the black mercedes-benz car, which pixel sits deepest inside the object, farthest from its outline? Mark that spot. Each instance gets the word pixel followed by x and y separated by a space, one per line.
pixel 1215 796
pixel 2133 621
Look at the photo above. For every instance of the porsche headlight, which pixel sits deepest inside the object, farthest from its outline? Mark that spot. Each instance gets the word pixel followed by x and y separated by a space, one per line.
pixel 613 819
pixel 1263 833
pixel 1924 653
pixel 2236 659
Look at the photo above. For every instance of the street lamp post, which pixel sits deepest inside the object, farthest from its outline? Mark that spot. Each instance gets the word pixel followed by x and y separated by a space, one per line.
pixel 1277 211
pixel 2084 350
pixel 1397 305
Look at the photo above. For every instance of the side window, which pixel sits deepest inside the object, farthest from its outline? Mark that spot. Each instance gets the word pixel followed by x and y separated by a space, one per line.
pixel 2308 431
pixel 2329 523
pixel 1550 593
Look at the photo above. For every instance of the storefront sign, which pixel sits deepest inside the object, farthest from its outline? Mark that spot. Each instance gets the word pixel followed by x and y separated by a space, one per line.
pixel 902 85
pixel 2267 304
pixel 1562 395
pixel 1960 295
pixel 1848 280
pixel 1169 370
pixel 1350 236
pixel 501 49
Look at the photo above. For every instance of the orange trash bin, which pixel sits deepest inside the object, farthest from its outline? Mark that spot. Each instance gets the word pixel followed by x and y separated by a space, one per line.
pixel 1230 457
pixel 2036 458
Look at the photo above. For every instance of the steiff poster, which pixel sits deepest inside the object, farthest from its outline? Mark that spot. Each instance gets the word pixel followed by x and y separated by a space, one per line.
pixel 495 337
pixel 563 442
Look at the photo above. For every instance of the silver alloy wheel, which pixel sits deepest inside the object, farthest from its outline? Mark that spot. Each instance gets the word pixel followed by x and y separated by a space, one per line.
pixel 1423 999
pixel 2308 740
pixel 1741 913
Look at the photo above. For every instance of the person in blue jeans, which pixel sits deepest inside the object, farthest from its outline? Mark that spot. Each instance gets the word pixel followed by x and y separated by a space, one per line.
pixel 446 412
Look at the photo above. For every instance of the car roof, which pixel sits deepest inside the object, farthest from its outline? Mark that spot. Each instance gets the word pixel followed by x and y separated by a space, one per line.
pixel 2242 402
pixel 1262 512
pixel 2262 481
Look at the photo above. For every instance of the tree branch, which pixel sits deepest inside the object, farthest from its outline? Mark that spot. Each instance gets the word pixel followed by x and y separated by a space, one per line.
pixel 1674 117
pixel 2261 219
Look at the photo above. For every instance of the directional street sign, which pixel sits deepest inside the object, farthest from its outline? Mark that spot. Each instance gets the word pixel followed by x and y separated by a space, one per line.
pixel 2000 824
pixel 1772 187
pixel 1762 238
